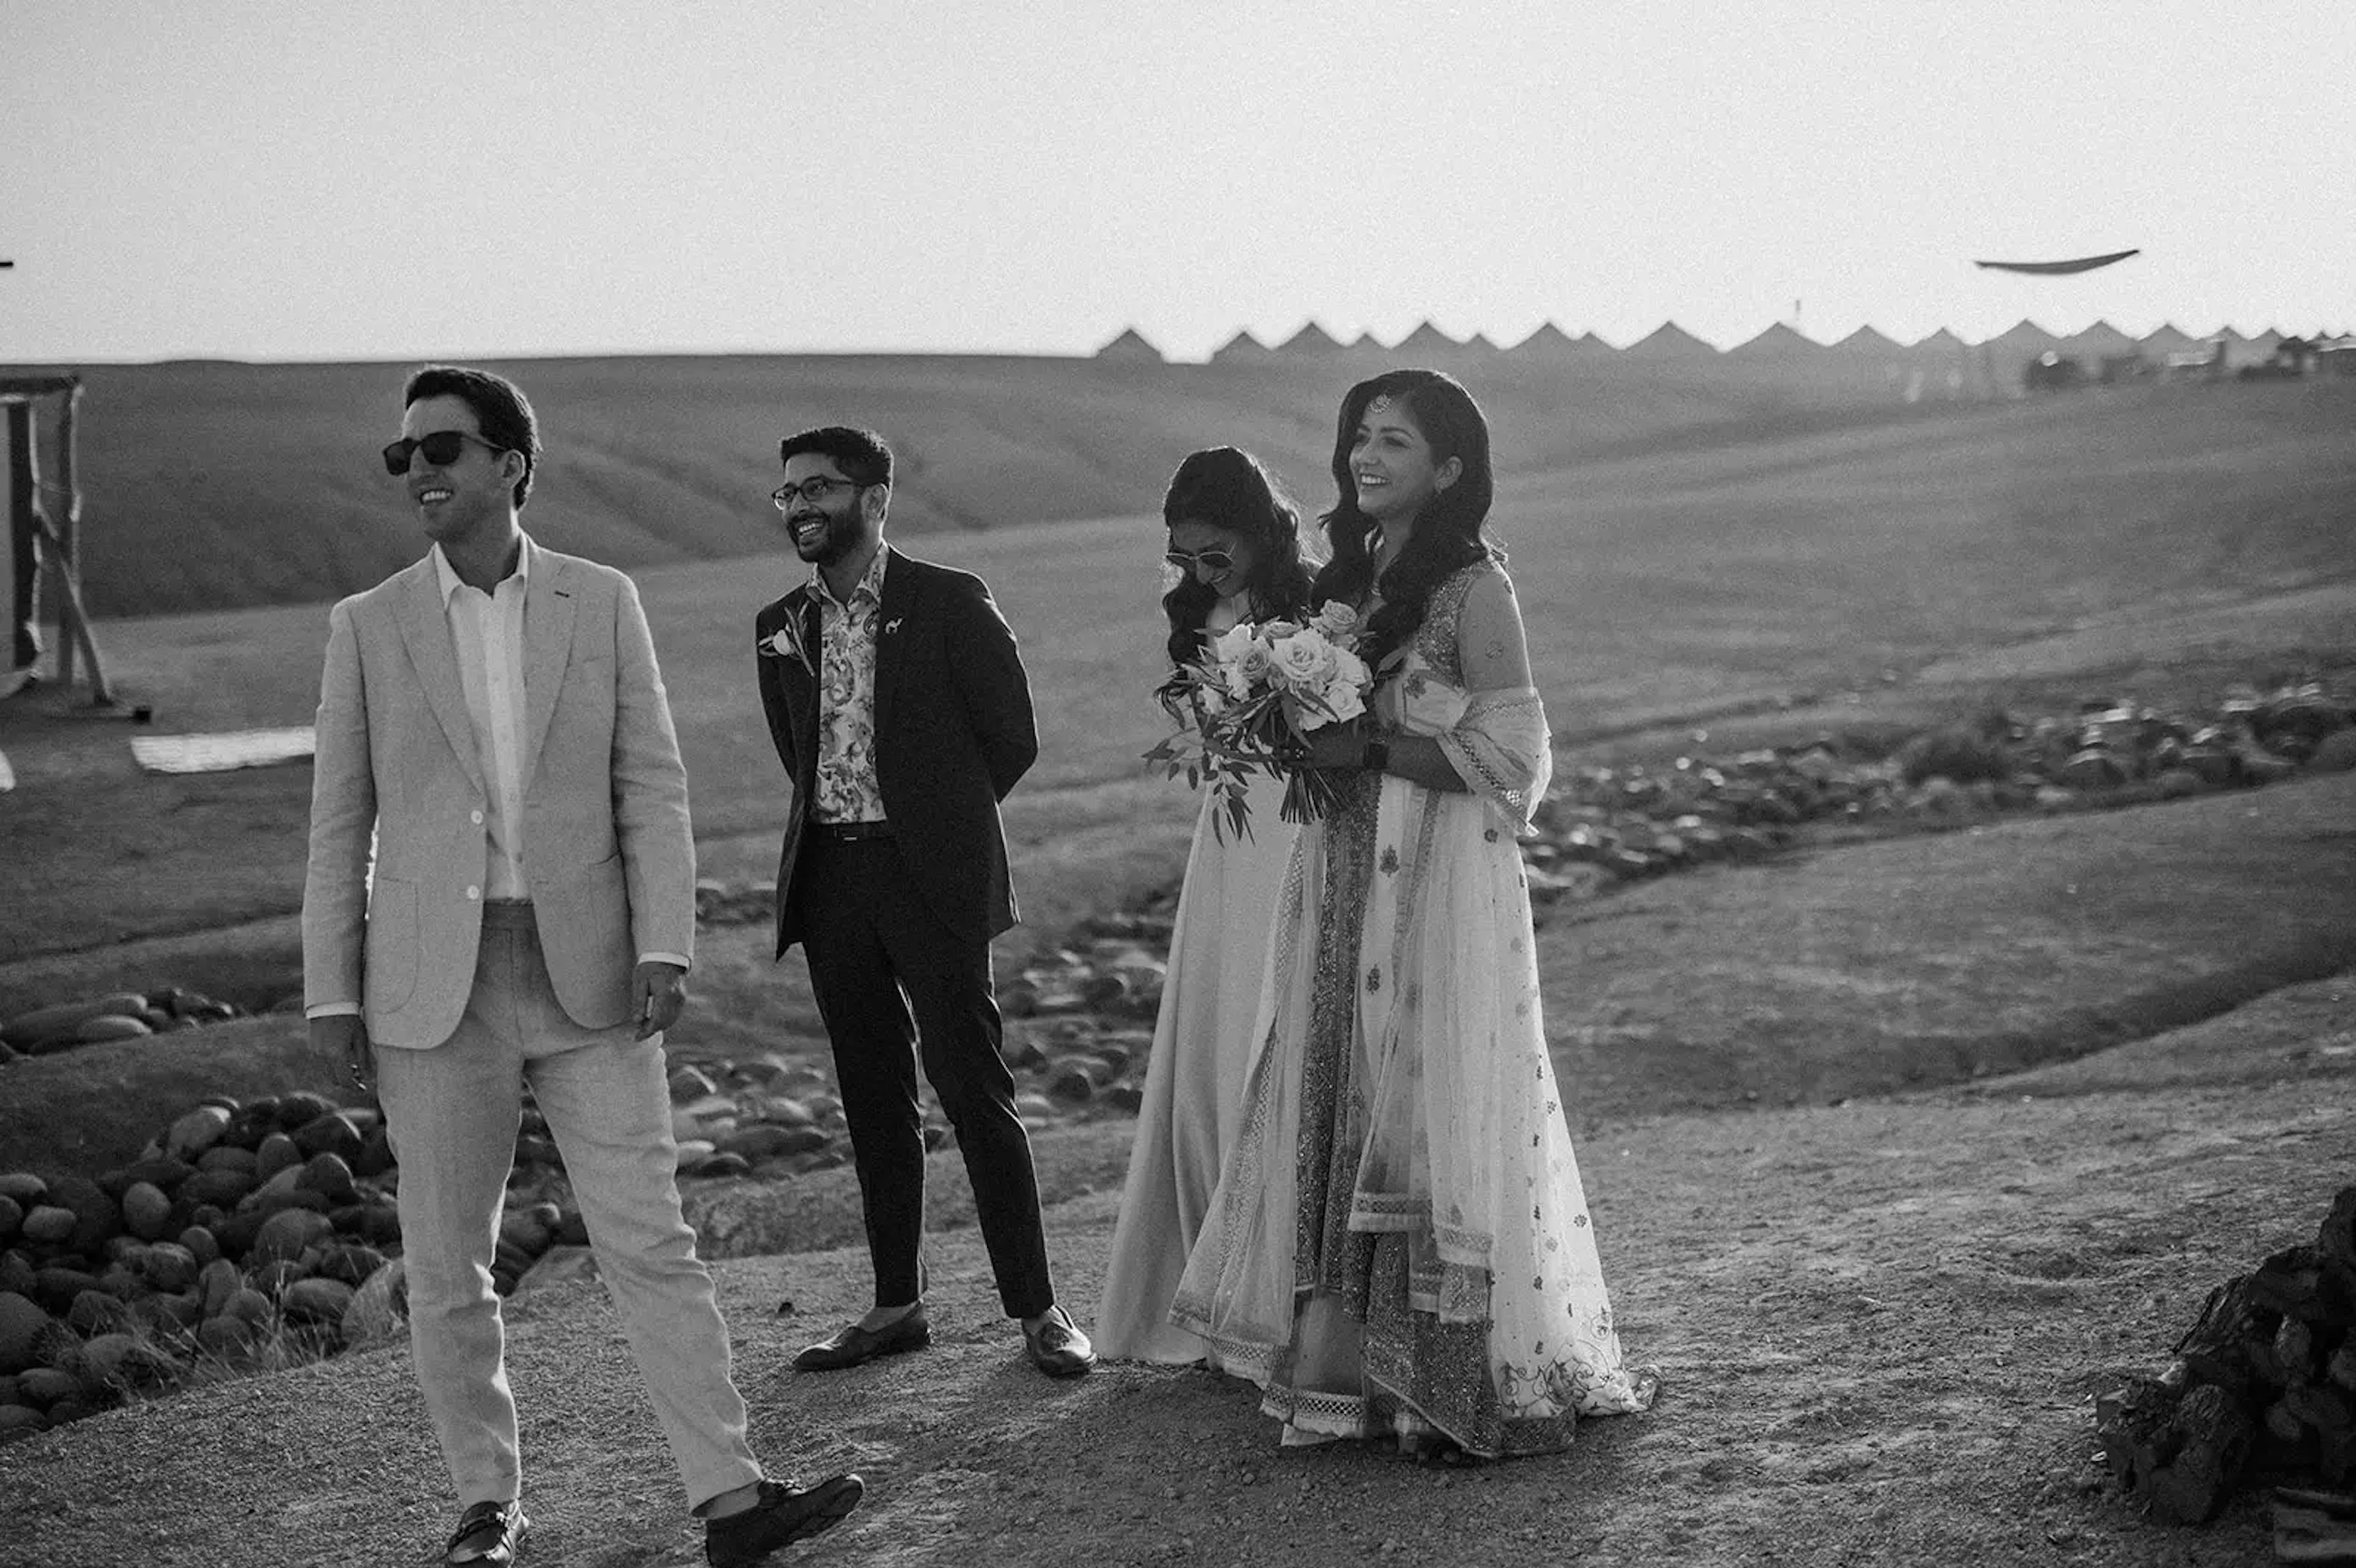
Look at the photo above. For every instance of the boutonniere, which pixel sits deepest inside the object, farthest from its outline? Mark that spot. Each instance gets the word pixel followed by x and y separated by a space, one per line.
pixel 893 625
pixel 786 643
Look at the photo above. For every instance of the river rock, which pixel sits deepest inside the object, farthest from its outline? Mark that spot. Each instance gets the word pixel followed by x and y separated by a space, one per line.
pixel 301 1108
pixel 50 1225
pixel 56 1286
pixel 316 1300
pixel 770 1141
pixel 273 1279
pixel 112 1026
pixel 227 1156
pixel 329 1175
pixel 223 1188
pixel 123 1360
pixel 96 1216
pixel 196 1132
pixel 347 1262
pixel 18 1421
pixel 291 1196
pixel 42 1387
pixel 277 1152
pixel 145 1210
pixel 227 1337
pixel 332 1134
pixel 97 1312
pixel 525 1230
pixel 169 1267
pixel 201 1243
pixel 373 1220
pixel 12 1217
pixel 285 1236
pixel 379 1310
pixel 692 1152
pixel 216 1282
pixel 249 1306
pixel 25 1330
pixel 24 1186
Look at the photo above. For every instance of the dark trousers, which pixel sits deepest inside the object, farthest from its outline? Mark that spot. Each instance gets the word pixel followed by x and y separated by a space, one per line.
pixel 894 984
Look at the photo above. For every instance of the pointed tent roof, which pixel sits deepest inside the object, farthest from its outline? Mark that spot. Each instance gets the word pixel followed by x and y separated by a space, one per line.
pixel 1130 345
pixel 1426 339
pixel 1242 346
pixel 2167 339
pixel 1669 339
pixel 1310 339
pixel 1867 340
pixel 1777 340
pixel 2101 339
pixel 2025 336
pixel 1366 343
pixel 1550 340
pixel 1940 342
pixel 1480 343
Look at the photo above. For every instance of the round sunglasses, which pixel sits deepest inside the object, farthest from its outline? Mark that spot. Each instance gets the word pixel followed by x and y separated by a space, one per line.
pixel 1220 561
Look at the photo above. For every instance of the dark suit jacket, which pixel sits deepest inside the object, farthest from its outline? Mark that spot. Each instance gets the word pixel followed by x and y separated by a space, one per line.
pixel 953 733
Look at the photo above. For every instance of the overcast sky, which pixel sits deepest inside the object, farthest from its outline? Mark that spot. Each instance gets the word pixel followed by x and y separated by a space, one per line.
pixel 327 180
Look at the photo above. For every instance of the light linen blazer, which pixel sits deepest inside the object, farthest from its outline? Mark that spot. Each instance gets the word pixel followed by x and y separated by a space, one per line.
pixel 609 857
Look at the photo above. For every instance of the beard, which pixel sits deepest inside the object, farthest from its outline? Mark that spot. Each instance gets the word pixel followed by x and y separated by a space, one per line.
pixel 838 536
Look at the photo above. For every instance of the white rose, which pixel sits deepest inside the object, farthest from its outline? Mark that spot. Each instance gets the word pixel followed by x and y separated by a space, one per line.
pixel 1230 645
pixel 1304 661
pixel 1336 620
pixel 1250 669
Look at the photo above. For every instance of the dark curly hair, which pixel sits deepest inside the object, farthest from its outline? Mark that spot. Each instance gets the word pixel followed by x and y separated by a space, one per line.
pixel 502 412
pixel 1448 532
pixel 1227 488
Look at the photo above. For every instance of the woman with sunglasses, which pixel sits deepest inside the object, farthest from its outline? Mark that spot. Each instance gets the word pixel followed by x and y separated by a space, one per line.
pixel 1234 555
pixel 1399 1245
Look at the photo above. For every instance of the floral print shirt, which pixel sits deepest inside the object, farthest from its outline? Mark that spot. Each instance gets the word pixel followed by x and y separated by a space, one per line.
pixel 847 788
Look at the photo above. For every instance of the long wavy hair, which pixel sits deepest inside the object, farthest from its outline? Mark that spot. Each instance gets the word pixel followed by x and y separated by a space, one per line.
pixel 1448 534
pixel 1227 488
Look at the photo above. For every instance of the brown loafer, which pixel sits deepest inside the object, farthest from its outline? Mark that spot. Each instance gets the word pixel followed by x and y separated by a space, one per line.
pixel 781 1517
pixel 487 1533
pixel 1057 1347
pixel 850 1345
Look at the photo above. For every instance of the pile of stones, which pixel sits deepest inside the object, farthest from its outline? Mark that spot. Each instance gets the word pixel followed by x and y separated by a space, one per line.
pixel 123 1015
pixel 1602 826
pixel 246 1234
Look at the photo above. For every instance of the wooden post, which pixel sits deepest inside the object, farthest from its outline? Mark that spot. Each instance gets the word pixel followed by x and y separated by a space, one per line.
pixel 69 531
pixel 24 612
pixel 62 576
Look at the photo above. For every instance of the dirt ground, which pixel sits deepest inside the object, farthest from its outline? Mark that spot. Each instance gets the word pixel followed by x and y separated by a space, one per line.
pixel 1882 1326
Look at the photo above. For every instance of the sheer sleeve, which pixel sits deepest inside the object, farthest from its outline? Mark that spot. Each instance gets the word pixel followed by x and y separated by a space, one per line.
pixel 1502 750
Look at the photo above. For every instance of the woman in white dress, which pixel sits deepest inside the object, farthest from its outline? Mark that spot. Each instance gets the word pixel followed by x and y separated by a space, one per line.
pixel 1399 1245
pixel 1234 555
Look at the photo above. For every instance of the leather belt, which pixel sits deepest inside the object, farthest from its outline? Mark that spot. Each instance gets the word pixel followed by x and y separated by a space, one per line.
pixel 851 832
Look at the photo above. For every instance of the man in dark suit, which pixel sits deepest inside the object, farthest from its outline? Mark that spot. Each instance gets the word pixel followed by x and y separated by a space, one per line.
pixel 900 709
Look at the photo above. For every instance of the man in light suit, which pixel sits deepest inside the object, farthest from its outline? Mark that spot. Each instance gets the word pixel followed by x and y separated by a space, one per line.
pixel 899 708
pixel 491 719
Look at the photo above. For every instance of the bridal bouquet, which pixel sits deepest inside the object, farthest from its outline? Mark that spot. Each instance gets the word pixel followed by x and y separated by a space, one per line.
pixel 1246 706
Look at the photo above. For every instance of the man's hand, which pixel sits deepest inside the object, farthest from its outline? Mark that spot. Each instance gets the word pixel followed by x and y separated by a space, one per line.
pixel 341 1039
pixel 659 990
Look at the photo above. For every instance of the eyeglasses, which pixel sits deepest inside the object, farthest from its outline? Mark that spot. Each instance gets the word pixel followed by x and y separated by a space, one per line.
pixel 441 449
pixel 814 490
pixel 1220 561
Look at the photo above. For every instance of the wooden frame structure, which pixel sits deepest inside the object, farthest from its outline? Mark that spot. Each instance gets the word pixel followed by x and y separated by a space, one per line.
pixel 45 549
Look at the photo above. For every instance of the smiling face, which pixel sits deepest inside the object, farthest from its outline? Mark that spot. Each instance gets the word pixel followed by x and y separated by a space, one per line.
pixel 1391 465
pixel 473 493
pixel 848 522
pixel 1191 538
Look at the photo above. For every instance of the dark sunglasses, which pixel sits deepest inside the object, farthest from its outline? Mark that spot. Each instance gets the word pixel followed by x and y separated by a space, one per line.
pixel 1220 561
pixel 441 449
